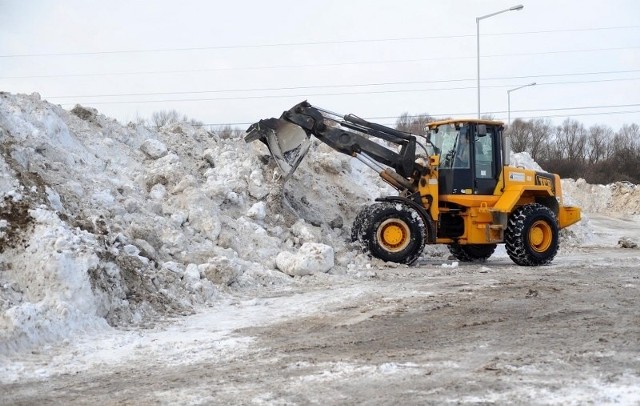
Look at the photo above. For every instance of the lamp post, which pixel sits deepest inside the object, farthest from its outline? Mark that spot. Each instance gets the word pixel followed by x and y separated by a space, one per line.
pixel 509 99
pixel 514 8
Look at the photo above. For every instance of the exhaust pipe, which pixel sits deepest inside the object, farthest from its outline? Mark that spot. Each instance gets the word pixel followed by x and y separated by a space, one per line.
pixel 506 150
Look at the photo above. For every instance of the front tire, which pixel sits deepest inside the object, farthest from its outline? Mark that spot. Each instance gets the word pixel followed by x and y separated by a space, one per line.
pixel 393 232
pixel 531 238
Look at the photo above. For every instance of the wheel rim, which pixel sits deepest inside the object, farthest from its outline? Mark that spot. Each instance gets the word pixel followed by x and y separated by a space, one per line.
pixel 393 235
pixel 540 236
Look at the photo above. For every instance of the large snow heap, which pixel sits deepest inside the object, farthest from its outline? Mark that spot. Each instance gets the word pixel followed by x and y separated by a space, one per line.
pixel 104 224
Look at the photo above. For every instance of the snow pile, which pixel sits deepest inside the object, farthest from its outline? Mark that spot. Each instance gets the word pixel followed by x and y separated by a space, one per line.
pixel 615 198
pixel 100 221
pixel 524 160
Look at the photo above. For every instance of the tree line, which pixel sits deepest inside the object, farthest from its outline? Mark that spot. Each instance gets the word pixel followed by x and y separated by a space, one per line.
pixel 162 118
pixel 597 154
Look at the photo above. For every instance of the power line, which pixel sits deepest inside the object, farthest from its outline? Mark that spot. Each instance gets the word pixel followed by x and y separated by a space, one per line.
pixel 263 89
pixel 307 95
pixel 358 85
pixel 308 43
pixel 516 111
pixel 585 114
pixel 319 65
pixel 562 51
pixel 570 108
pixel 458 114
pixel 271 96
pixel 448 115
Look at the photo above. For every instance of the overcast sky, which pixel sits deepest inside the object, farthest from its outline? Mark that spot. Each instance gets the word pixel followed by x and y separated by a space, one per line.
pixel 239 61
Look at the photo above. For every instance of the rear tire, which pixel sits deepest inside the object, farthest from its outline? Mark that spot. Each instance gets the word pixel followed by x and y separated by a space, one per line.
pixel 393 232
pixel 359 223
pixel 472 252
pixel 531 237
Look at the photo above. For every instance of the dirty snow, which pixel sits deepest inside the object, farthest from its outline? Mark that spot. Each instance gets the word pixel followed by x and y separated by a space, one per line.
pixel 122 223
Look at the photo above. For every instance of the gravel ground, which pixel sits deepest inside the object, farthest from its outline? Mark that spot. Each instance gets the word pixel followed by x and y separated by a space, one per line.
pixel 473 333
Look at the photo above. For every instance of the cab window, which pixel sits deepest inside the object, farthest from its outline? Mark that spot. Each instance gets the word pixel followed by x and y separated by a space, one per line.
pixel 484 156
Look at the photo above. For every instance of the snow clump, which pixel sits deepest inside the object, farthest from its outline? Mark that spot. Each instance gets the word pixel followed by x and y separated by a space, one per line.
pixel 311 258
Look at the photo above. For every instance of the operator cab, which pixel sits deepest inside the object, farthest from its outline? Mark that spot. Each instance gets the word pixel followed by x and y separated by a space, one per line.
pixel 470 155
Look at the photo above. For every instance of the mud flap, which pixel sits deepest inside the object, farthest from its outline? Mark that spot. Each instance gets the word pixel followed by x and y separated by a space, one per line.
pixel 288 143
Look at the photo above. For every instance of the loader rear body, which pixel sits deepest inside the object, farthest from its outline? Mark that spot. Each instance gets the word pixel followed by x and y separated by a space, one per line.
pixel 454 184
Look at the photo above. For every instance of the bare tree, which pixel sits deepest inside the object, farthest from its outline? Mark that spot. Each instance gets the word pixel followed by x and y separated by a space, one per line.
pixel 519 131
pixel 571 140
pixel 161 118
pixel 413 124
pixel 599 143
pixel 228 132
pixel 531 136
pixel 541 131
pixel 626 153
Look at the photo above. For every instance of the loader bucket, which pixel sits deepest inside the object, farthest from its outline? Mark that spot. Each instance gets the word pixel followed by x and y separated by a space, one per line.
pixel 287 142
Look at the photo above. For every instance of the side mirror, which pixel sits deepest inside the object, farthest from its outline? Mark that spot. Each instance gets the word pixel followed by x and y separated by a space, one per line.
pixel 482 130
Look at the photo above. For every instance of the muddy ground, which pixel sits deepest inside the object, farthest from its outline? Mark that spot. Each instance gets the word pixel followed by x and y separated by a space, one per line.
pixel 495 332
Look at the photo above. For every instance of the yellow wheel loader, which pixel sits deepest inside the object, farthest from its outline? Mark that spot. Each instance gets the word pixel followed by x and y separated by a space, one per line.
pixel 455 186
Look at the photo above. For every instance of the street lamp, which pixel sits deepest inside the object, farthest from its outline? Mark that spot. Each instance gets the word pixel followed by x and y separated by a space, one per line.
pixel 514 8
pixel 509 99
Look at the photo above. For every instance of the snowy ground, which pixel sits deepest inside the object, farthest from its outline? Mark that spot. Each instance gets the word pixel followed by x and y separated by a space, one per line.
pixel 162 267
pixel 567 333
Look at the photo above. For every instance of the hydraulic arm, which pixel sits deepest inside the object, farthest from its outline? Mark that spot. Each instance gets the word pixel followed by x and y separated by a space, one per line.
pixel 347 134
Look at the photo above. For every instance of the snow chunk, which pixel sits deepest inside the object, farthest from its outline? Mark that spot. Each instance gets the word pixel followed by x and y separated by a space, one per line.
pixel 256 185
pixel 173 267
pixel 305 232
pixel 154 149
pixel 205 221
pixel 131 250
pixel 310 259
pixel 192 274
pixel 209 155
pixel 103 198
pixel 626 242
pixel 54 199
pixel 222 271
pixel 158 192
pixel 257 211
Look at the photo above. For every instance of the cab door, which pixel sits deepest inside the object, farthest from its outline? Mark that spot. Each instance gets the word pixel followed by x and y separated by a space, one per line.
pixel 456 165
pixel 485 159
